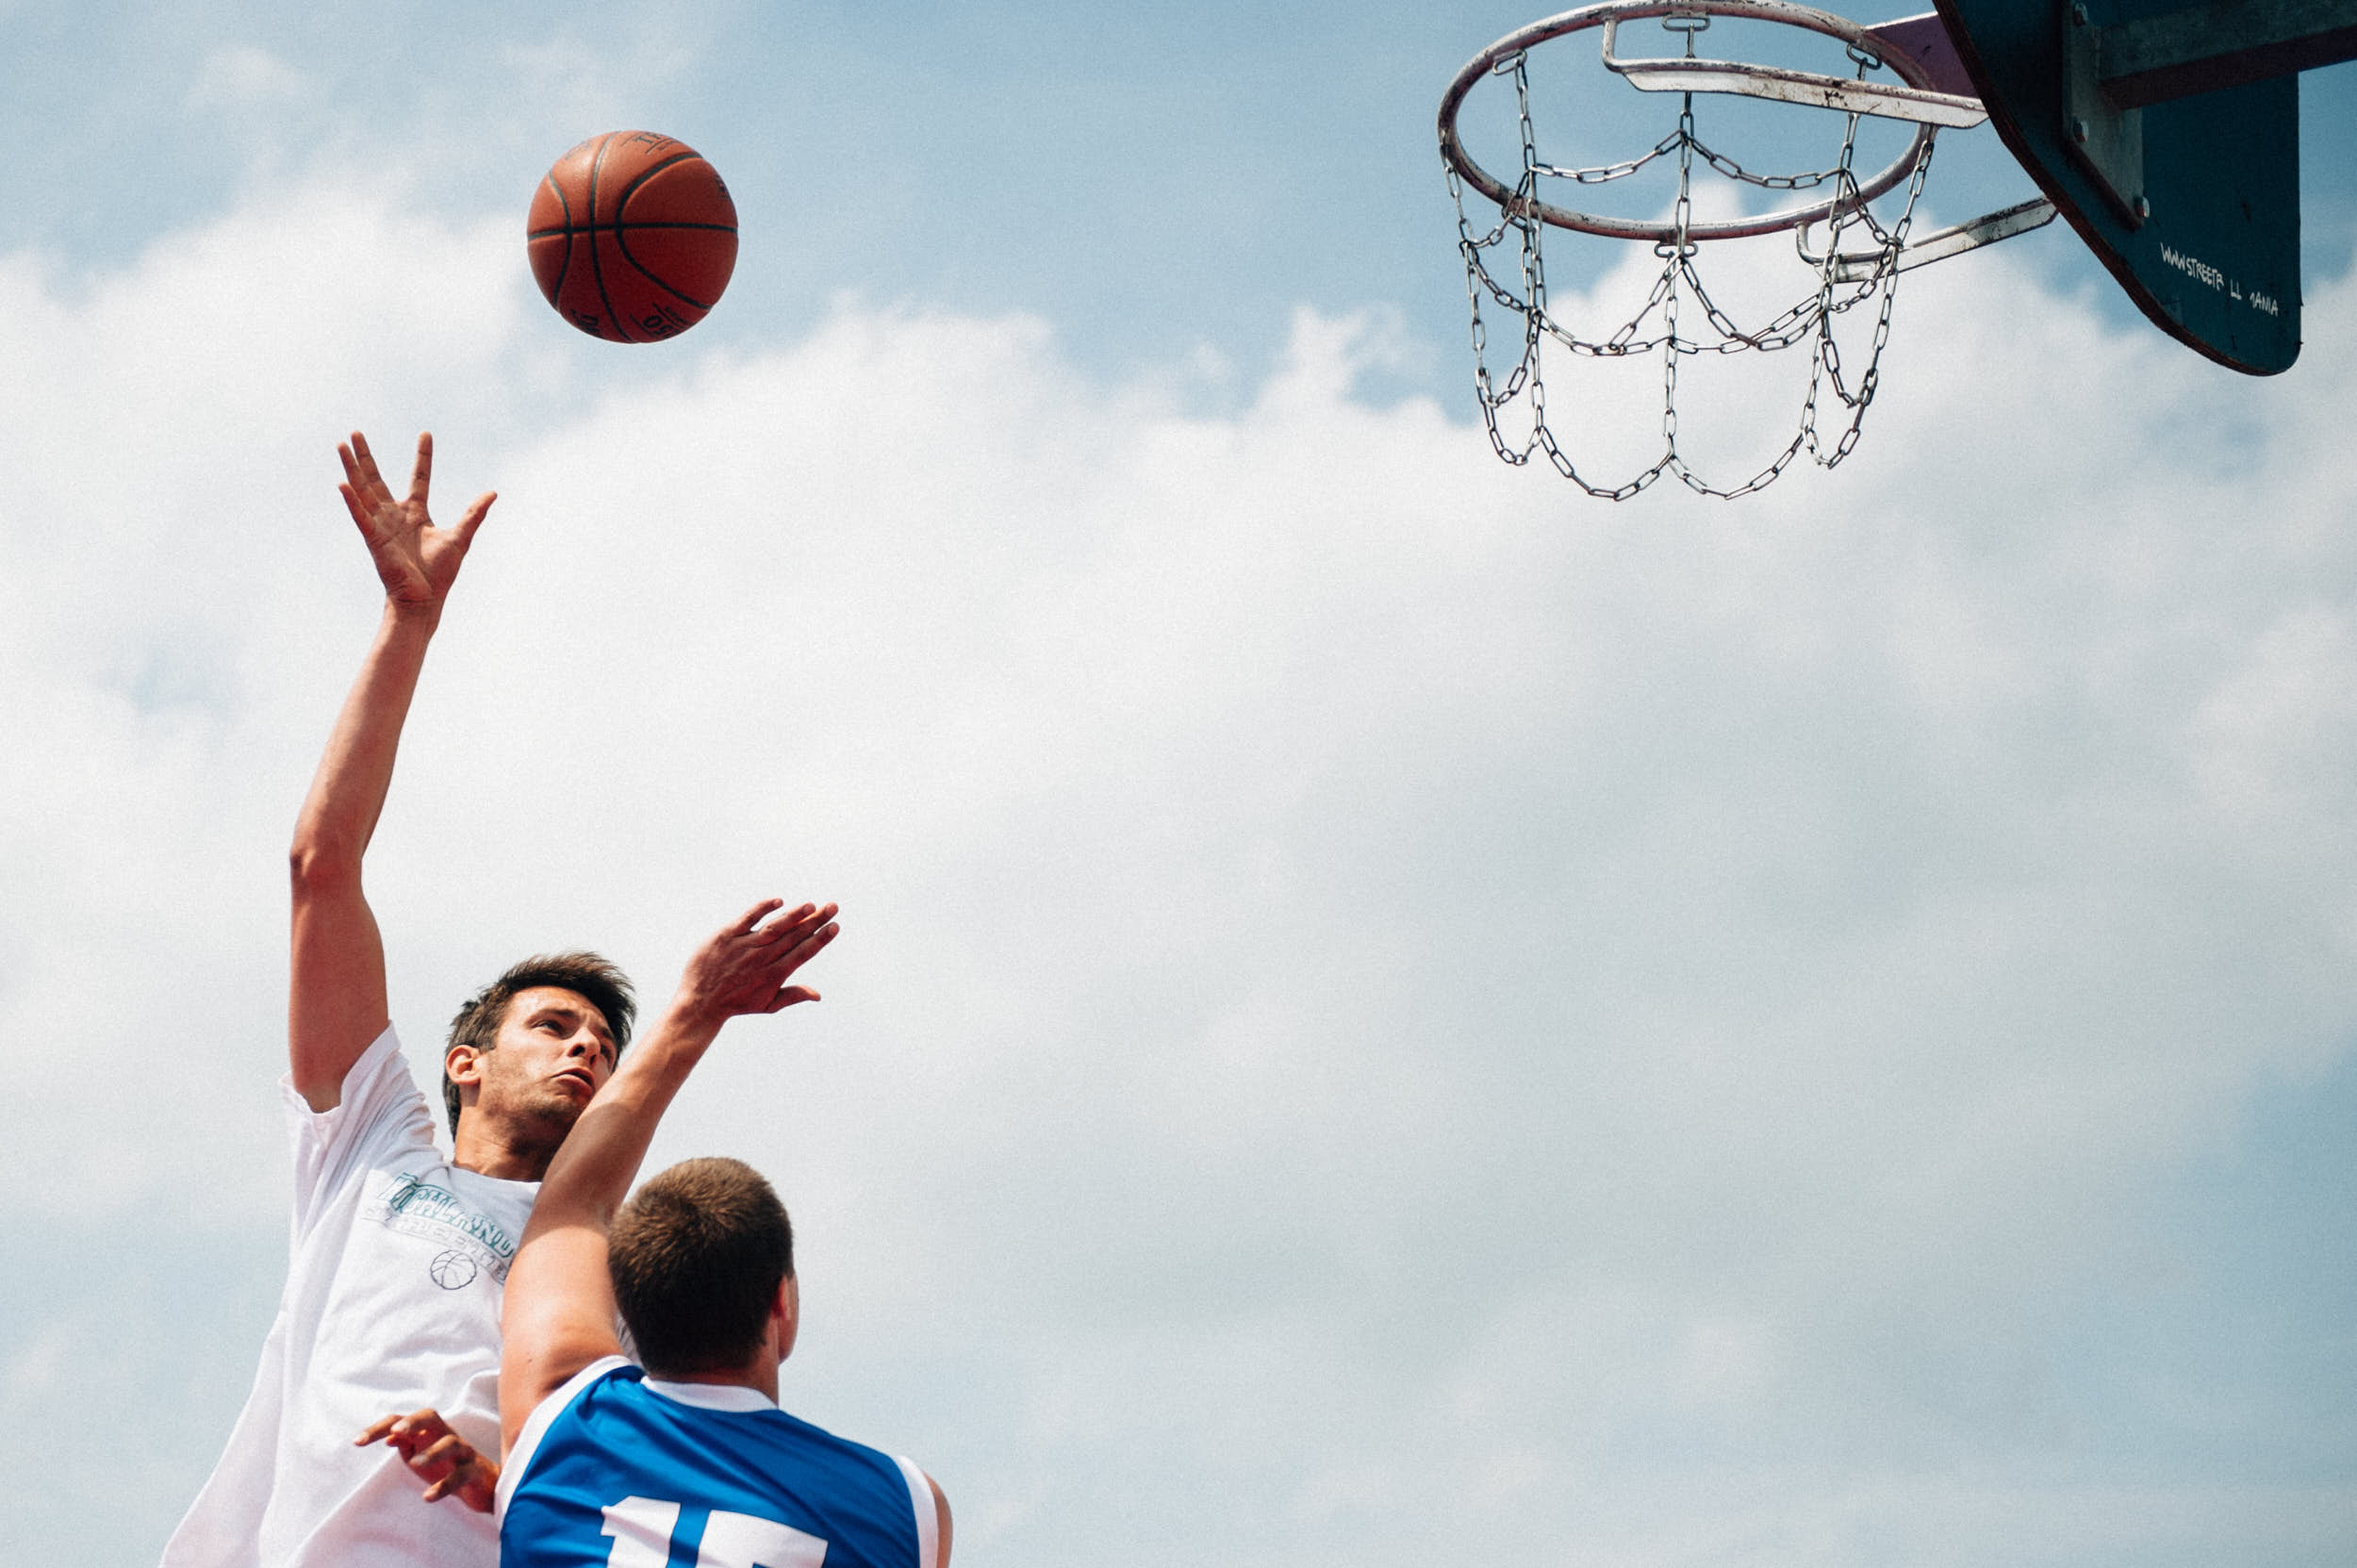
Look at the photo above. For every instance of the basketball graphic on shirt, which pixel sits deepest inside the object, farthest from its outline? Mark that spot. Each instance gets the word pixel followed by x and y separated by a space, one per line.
pixel 453 1270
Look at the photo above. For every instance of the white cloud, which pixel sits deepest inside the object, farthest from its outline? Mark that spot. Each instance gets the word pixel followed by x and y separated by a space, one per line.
pixel 1377 993
pixel 242 77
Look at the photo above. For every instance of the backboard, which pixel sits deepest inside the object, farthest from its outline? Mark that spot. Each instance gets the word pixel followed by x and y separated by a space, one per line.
pixel 2192 203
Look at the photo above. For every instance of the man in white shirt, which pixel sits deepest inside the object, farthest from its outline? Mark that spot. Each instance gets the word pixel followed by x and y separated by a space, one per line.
pixel 398 1254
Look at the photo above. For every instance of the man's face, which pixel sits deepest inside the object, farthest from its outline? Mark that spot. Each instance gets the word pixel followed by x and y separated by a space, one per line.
pixel 553 1051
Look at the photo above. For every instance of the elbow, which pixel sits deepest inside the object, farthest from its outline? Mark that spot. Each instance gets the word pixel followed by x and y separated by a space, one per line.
pixel 318 865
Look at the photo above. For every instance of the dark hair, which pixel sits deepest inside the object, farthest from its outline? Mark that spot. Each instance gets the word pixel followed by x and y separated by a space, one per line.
pixel 696 1257
pixel 589 976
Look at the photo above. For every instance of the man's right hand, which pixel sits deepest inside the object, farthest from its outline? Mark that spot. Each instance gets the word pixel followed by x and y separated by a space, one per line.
pixel 415 561
pixel 336 1002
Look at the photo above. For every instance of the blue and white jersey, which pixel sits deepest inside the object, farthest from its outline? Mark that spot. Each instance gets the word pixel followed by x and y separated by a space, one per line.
pixel 619 1470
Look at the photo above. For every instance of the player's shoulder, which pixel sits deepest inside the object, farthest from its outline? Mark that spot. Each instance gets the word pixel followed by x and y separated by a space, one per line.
pixel 888 1489
pixel 879 1507
pixel 380 1123
pixel 745 1422
pixel 810 1434
pixel 564 1406
pixel 594 1388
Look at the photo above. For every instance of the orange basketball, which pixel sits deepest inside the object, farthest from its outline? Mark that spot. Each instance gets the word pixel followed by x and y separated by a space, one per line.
pixel 633 237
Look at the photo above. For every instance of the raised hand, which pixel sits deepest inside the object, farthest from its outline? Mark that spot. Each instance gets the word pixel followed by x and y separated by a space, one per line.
pixel 415 561
pixel 446 1461
pixel 745 967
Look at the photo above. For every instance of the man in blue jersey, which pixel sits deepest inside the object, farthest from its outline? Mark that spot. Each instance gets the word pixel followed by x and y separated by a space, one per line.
pixel 616 1463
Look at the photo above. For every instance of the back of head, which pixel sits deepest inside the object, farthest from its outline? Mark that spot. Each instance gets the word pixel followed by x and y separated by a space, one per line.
pixel 696 1257
pixel 593 978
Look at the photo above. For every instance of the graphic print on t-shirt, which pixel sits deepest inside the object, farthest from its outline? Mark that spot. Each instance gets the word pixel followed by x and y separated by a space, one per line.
pixel 472 1243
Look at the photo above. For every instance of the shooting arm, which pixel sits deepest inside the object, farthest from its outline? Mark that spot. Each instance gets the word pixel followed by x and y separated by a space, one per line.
pixel 336 1000
pixel 559 1313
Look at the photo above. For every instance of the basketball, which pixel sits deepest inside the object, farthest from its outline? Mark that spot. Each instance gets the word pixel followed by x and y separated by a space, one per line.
pixel 633 237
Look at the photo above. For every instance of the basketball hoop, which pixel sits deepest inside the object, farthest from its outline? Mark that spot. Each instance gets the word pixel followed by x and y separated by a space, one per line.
pixel 1931 91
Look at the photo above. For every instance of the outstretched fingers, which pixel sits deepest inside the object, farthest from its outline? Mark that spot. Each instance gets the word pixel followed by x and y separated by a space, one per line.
pixel 378 1431
pixel 753 917
pixel 745 967
pixel 474 517
pixel 419 1430
pixel 810 947
pixel 363 489
pixel 447 1462
pixel 794 958
pixel 361 473
pixel 449 1456
pixel 788 996
pixel 794 925
pixel 421 473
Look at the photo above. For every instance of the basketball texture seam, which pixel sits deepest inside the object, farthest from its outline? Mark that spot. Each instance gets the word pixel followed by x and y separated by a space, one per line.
pixel 621 243
pixel 563 267
pixel 596 262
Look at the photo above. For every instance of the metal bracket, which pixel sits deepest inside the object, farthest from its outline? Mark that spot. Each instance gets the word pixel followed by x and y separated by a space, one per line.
pixel 2216 44
pixel 2107 140
pixel 1845 95
pixel 2110 74
pixel 1864 266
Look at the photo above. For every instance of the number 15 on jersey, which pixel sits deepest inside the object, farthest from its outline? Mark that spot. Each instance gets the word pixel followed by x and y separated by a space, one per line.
pixel 642 1528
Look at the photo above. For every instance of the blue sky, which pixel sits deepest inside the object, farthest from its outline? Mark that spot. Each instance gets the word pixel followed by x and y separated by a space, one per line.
pixel 1149 179
pixel 1389 1012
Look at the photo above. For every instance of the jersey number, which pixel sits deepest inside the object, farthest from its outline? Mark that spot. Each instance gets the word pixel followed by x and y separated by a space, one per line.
pixel 642 1526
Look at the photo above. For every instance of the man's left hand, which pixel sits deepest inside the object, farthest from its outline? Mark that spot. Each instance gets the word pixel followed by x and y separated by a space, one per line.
pixel 437 1455
pixel 745 967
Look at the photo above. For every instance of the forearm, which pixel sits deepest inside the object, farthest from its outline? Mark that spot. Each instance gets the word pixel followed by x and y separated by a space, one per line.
pixel 336 997
pixel 347 795
pixel 592 1172
pixel 335 1001
pixel 559 1312
pixel 743 968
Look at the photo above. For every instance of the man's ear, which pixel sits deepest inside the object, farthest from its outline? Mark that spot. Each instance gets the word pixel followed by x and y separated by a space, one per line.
pixel 463 1065
pixel 786 1314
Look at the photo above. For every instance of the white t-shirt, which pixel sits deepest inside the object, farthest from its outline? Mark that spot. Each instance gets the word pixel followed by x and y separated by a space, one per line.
pixel 392 1302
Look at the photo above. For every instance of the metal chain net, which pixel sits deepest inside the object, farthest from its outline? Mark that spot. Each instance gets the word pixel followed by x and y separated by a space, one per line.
pixel 1514 245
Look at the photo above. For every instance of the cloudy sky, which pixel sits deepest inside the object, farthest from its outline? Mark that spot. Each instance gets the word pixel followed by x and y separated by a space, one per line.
pixel 1389 1012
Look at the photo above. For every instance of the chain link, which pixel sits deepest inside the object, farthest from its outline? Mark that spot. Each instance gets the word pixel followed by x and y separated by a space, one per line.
pixel 1654 327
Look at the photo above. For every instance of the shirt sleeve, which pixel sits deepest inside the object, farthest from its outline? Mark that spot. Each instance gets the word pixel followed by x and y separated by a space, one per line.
pixel 536 1427
pixel 380 1114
